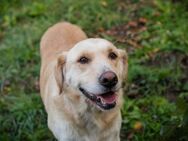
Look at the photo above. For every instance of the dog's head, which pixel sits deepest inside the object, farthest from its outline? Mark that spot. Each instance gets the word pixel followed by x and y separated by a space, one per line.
pixel 95 68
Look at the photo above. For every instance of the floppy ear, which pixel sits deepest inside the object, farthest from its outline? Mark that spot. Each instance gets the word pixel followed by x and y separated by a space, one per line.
pixel 124 59
pixel 59 71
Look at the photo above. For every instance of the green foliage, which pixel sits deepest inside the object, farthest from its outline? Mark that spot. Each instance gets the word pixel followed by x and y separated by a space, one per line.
pixel 21 116
pixel 177 130
pixel 151 111
pixel 156 96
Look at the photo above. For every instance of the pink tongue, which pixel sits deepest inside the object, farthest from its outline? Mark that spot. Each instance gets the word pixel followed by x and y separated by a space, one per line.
pixel 108 98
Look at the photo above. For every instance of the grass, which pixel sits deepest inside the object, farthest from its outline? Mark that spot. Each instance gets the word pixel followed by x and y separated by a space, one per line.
pixel 158 63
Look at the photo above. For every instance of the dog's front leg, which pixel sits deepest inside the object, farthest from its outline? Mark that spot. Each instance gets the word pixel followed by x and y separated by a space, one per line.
pixel 114 138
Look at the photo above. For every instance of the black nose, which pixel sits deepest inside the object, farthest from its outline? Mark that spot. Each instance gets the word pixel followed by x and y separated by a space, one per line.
pixel 108 79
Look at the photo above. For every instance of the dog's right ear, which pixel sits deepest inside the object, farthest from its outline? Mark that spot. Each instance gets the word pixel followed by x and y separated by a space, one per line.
pixel 59 71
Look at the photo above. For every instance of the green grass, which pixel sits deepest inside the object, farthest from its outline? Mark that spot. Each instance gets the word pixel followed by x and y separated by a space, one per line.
pixel 157 87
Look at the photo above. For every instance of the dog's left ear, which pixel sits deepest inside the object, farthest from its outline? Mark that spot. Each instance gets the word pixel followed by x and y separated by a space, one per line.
pixel 124 60
pixel 59 76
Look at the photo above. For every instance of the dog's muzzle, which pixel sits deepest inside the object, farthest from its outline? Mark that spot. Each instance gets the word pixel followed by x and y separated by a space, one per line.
pixel 105 101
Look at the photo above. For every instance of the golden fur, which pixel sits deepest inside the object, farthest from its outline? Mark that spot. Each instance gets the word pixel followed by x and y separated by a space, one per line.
pixel 70 116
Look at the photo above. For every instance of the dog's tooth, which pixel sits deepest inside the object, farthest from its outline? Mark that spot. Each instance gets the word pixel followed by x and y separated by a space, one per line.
pixel 102 101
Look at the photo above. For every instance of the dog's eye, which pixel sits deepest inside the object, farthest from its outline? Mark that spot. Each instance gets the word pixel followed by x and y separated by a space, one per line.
pixel 112 55
pixel 83 60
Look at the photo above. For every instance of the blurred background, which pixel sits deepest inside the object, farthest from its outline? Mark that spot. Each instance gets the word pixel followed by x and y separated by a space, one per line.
pixel 155 34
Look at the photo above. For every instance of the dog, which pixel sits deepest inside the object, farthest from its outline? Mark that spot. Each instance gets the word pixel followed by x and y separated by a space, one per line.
pixel 81 84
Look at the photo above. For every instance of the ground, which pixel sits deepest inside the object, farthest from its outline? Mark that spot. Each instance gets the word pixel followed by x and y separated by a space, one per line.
pixel 153 32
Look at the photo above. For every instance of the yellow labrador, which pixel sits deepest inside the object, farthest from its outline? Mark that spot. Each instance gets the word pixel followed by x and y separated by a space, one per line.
pixel 80 82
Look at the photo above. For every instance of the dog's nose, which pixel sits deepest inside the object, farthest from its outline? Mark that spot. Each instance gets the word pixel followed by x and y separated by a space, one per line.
pixel 108 79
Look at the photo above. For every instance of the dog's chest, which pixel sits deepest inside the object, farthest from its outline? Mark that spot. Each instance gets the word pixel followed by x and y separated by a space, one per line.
pixel 93 127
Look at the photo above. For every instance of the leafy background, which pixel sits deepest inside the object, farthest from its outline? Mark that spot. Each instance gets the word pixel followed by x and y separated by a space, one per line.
pixel 153 32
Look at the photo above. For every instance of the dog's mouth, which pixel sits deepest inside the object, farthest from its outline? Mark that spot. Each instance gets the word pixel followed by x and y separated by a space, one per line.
pixel 105 101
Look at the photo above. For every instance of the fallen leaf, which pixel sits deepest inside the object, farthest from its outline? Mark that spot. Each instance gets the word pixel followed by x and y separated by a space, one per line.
pixel 104 3
pixel 142 20
pixel 133 24
pixel 138 126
